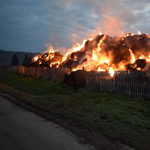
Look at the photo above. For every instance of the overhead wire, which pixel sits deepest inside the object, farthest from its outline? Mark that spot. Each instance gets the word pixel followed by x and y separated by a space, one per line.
pixel 37 15
pixel 25 16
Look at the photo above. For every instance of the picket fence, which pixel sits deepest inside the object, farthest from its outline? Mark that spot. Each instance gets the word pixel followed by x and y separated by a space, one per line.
pixel 131 83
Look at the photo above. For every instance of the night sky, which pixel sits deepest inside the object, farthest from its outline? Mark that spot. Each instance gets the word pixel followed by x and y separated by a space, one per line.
pixel 29 25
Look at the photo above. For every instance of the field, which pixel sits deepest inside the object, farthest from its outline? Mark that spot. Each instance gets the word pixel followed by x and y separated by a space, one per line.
pixel 116 116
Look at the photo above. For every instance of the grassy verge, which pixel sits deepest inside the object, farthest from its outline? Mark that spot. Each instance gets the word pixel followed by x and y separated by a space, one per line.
pixel 115 115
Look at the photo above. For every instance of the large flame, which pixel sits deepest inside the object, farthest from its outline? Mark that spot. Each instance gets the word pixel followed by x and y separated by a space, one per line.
pixel 100 54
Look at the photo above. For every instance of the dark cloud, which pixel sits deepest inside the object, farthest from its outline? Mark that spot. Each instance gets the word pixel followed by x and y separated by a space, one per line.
pixel 63 23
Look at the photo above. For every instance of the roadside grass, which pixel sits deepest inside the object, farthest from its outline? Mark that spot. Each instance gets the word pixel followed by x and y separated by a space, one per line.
pixel 114 115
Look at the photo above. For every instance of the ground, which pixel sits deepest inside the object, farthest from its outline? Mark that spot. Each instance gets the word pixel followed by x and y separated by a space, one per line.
pixel 88 136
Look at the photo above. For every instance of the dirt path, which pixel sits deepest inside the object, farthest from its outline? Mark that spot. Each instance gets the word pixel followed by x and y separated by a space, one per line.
pixel 23 130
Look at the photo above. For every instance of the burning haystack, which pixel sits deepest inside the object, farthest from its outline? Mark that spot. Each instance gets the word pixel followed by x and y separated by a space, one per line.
pixel 103 53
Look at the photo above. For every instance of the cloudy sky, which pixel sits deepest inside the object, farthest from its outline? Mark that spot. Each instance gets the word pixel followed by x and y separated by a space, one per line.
pixel 29 25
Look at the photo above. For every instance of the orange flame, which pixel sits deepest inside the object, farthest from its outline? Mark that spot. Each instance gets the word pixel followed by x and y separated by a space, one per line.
pixel 35 58
pixel 95 60
pixel 139 32
pixel 111 71
pixel 132 56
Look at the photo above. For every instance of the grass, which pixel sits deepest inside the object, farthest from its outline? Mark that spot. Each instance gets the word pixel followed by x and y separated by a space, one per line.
pixel 115 115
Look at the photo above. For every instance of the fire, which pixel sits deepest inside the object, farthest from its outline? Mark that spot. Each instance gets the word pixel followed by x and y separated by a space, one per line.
pixel 55 64
pixel 99 69
pixel 79 47
pixel 94 55
pixel 100 42
pixel 141 57
pixel 75 48
pixel 139 32
pixel 148 59
pixel 103 53
pixel 144 57
pixel 138 68
pixel 51 49
pixel 111 71
pixel 100 33
pixel 128 34
pixel 132 56
pixel 35 58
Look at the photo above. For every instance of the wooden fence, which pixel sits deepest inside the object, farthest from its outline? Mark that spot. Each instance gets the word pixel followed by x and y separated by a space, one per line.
pixel 49 73
pixel 131 83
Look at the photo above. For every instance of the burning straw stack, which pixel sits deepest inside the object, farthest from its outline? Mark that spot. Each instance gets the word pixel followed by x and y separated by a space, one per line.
pixel 103 53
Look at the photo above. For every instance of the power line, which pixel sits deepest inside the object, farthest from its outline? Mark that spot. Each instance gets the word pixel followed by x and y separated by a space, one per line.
pixel 37 15
pixel 25 16
pixel 43 12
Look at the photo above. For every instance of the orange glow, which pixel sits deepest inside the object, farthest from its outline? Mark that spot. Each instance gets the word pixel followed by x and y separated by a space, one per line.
pixel 100 33
pixel 138 68
pixel 141 57
pixel 139 32
pixel 79 47
pixel 35 58
pixel 111 71
pixel 128 34
pixel 99 69
pixel 65 57
pixel 95 54
pixel 148 58
pixel 75 48
pixel 132 56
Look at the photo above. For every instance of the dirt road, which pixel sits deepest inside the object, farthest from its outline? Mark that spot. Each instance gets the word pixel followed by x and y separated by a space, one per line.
pixel 23 130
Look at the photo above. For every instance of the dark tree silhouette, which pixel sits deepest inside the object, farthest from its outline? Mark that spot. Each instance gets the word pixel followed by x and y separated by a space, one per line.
pixel 30 59
pixel 26 61
pixel 15 61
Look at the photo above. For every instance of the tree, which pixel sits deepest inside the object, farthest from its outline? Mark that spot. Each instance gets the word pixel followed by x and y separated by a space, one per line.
pixel 26 61
pixel 30 59
pixel 14 61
